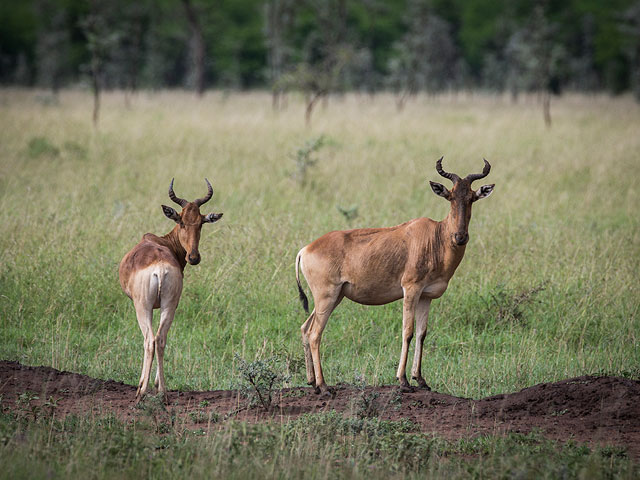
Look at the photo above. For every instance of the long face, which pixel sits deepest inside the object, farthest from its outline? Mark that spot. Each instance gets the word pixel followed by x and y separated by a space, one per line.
pixel 190 222
pixel 461 197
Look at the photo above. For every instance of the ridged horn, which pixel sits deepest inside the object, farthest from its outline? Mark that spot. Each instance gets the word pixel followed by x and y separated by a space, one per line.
pixel 180 201
pixel 477 176
pixel 451 176
pixel 205 199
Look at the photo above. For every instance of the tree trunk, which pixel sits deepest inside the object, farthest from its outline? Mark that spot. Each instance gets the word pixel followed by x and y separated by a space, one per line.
pixel 313 99
pixel 546 108
pixel 95 83
pixel 198 45
pixel 401 99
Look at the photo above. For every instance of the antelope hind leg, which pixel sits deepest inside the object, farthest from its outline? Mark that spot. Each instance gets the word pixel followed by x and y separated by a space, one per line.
pixel 324 308
pixel 145 316
pixel 308 359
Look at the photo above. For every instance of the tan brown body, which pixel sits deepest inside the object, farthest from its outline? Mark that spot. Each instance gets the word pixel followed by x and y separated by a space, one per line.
pixel 151 274
pixel 374 266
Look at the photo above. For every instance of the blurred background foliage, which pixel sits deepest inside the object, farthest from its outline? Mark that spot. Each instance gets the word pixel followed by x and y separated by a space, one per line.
pixel 323 46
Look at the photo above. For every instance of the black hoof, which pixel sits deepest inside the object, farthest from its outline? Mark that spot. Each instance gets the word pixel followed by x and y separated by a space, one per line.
pixel 422 385
pixel 328 394
pixel 407 388
pixel 325 392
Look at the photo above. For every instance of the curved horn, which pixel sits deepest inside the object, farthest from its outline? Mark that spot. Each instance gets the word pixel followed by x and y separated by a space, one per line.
pixel 180 201
pixel 451 176
pixel 205 199
pixel 477 176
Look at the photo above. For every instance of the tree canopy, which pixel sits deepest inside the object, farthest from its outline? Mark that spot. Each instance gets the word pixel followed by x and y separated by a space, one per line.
pixel 404 45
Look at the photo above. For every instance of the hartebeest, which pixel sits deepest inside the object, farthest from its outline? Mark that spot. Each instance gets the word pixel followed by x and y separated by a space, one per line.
pixel 373 266
pixel 151 275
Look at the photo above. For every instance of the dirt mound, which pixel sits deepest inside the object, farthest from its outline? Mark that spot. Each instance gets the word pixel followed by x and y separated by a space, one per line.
pixel 595 410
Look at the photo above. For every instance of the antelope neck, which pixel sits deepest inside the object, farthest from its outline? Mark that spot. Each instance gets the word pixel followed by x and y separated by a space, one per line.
pixel 172 242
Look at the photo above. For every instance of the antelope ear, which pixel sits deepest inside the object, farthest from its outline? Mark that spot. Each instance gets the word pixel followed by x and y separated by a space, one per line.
pixel 440 190
pixel 171 213
pixel 483 192
pixel 212 217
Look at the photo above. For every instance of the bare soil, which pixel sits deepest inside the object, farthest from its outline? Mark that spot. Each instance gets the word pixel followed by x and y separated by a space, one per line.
pixel 595 410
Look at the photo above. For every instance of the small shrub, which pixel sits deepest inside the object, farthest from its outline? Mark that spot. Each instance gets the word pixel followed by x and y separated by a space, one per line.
pixel 507 306
pixel 50 406
pixel 26 406
pixel 349 213
pixel 259 378
pixel 303 159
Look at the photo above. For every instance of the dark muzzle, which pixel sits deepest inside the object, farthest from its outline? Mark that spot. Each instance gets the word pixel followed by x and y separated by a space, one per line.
pixel 193 258
pixel 461 238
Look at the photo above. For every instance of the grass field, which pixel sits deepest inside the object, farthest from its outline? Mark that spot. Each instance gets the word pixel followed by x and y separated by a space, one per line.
pixel 563 216
pixel 548 289
pixel 323 446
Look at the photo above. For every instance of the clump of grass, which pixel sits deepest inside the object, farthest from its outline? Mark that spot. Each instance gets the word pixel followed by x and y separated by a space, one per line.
pixel 367 403
pixel 41 147
pixel 153 408
pixel 292 362
pixel 75 150
pixel 47 100
pixel 202 416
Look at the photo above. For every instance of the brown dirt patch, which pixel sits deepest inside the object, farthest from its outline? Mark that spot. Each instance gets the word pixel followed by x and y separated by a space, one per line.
pixel 594 410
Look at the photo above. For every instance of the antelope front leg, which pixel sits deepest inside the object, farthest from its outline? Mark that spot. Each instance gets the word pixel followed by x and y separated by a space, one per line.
pixel 408 314
pixel 422 314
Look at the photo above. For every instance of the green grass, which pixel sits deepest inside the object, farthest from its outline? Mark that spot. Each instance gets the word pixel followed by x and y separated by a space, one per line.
pixel 563 216
pixel 313 446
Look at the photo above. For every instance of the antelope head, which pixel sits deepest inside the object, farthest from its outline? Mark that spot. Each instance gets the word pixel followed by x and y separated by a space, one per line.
pixel 190 221
pixel 461 197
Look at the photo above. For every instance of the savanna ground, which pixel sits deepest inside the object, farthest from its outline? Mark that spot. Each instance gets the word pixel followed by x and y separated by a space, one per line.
pixel 548 290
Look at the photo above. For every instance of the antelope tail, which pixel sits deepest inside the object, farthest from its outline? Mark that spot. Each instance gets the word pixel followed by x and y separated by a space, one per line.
pixel 303 297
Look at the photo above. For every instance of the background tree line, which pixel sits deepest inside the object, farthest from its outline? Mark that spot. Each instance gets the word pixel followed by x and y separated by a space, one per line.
pixel 322 46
